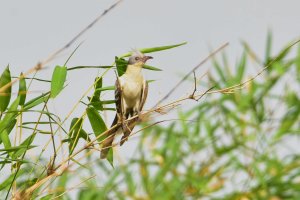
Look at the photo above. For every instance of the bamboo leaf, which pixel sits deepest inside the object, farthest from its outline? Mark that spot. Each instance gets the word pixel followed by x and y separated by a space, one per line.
pixel 110 157
pixel 151 68
pixel 89 67
pixel 74 130
pixel 7 182
pixel 268 47
pixel 24 146
pixel 241 68
pixel 121 65
pixel 96 122
pixel 9 116
pixel 288 121
pixel 5 139
pixel 95 100
pixel 22 90
pixel 17 148
pixel 58 79
pixel 154 49
pixel 6 94
pixel 36 101
pixel 105 88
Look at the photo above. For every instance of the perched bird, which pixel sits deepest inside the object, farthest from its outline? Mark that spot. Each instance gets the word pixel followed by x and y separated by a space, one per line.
pixel 130 93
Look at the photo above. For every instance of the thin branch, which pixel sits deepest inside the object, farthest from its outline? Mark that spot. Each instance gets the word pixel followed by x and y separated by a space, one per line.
pixel 193 70
pixel 52 161
pixel 40 65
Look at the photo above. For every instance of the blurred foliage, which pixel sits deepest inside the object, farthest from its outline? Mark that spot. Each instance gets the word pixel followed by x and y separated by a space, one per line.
pixel 238 145
pixel 242 145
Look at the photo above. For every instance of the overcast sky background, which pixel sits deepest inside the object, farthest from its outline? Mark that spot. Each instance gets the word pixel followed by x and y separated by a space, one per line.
pixel 30 30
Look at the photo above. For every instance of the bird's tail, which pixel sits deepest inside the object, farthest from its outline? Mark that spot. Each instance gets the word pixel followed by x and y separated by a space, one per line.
pixel 127 132
pixel 107 143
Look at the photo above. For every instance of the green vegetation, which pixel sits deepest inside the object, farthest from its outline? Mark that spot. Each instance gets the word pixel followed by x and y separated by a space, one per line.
pixel 239 141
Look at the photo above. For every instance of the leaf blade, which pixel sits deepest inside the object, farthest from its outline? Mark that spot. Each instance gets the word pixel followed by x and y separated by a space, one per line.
pixel 96 121
pixel 58 79
pixel 6 94
pixel 22 90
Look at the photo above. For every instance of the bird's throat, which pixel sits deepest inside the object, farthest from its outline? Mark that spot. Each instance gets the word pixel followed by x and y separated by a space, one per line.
pixel 134 70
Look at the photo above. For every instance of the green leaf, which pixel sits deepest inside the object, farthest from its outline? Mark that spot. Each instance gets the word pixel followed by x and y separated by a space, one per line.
pixel 105 88
pixel 220 70
pixel 95 100
pixel 62 182
pixel 22 89
pixel 5 139
pixel 36 101
pixel 96 122
pixel 11 114
pixel 268 48
pixel 24 146
pixel 7 182
pixel 6 94
pixel 4 136
pixel 121 65
pixel 89 67
pixel 17 148
pixel 288 121
pixel 58 79
pixel 151 68
pixel 110 157
pixel 154 49
pixel 241 68
pixel 11 125
pixel 74 130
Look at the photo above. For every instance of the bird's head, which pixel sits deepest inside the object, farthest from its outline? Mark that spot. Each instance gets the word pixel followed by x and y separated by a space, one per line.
pixel 138 58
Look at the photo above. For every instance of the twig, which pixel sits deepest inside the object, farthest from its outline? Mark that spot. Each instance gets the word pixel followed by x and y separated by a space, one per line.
pixel 192 96
pixel 189 73
pixel 40 65
pixel 52 161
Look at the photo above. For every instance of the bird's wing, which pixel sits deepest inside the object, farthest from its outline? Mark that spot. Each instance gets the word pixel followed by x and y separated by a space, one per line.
pixel 107 143
pixel 118 97
pixel 144 95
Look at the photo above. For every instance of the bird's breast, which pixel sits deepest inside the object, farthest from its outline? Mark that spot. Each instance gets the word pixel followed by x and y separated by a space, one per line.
pixel 131 89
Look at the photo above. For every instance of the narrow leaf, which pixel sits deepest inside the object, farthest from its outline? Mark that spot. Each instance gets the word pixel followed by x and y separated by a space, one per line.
pixel 105 88
pixel 22 90
pixel 110 157
pixel 241 68
pixel 155 49
pixel 268 47
pixel 96 122
pixel 121 65
pixel 9 116
pixel 36 101
pixel 96 96
pixel 151 68
pixel 89 67
pixel 58 79
pixel 74 130
pixel 5 139
pixel 6 94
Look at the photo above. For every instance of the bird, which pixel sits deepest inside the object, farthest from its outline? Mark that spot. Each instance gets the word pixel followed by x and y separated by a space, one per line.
pixel 131 90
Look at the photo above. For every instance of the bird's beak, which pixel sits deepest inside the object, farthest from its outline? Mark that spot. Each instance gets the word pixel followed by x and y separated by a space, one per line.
pixel 145 58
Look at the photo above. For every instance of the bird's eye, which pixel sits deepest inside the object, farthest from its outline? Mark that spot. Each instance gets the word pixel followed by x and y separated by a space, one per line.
pixel 137 58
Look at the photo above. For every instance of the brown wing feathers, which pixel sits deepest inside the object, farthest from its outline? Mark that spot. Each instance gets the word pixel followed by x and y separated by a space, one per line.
pixel 110 138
